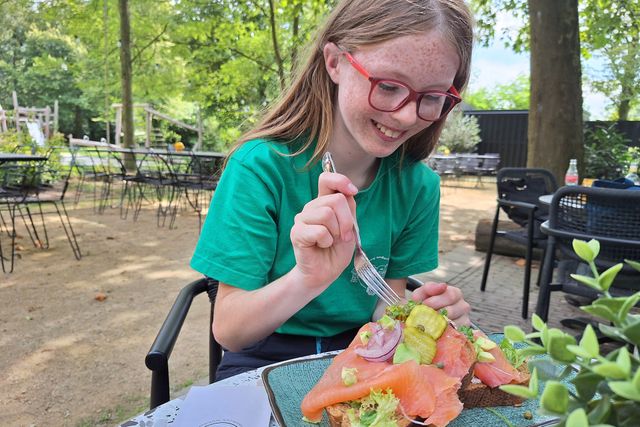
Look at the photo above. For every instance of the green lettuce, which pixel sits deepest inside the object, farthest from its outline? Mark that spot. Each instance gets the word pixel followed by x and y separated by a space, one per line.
pixel 376 410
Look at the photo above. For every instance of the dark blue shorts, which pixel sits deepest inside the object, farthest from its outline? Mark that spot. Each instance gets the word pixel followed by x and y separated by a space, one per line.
pixel 278 348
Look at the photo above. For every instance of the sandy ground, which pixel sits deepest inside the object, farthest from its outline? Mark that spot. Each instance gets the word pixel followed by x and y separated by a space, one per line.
pixel 68 359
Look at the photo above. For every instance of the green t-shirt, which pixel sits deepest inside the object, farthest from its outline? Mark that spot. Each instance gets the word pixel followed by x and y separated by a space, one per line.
pixel 245 238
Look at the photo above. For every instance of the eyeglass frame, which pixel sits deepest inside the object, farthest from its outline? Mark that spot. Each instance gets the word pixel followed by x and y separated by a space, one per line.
pixel 413 95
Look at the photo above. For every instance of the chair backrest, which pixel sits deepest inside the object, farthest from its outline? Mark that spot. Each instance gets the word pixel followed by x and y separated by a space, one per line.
pixel 525 185
pixel 610 216
pixel 490 162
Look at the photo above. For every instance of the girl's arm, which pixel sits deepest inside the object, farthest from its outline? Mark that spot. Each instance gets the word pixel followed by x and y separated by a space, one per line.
pixel 323 244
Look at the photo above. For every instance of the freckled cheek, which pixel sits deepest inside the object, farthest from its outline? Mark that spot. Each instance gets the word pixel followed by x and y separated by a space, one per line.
pixel 354 105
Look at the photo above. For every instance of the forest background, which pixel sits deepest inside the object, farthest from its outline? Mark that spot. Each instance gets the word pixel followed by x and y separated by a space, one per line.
pixel 227 60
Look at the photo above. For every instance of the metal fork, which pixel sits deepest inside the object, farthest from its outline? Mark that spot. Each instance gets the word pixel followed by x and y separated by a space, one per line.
pixel 374 283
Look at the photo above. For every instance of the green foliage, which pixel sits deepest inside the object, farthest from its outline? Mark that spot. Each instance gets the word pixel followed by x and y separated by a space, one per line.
pixel 507 96
pixel 609 29
pixel 607 154
pixel 461 133
pixel 606 387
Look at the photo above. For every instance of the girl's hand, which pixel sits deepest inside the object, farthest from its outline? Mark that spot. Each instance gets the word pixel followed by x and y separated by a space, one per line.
pixel 441 295
pixel 322 234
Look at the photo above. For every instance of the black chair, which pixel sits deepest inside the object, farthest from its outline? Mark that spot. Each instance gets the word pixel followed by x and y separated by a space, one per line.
pixel 518 193
pixel 18 181
pixel 610 216
pixel 51 190
pixel 157 359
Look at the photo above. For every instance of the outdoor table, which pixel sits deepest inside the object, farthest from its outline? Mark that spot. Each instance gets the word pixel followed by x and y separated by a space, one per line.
pixel 166 413
pixel 545 199
pixel 19 157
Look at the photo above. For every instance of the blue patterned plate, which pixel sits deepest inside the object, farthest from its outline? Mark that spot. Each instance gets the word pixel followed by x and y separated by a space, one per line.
pixel 287 384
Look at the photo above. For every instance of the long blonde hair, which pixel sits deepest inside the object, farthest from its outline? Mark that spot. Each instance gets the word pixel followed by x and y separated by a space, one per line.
pixel 306 108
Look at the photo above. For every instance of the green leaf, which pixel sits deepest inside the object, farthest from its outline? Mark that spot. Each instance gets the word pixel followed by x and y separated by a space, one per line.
pixel 586 383
pixel 610 370
pixel 579 351
pixel 533 382
pixel 586 280
pixel 636 379
pixel 594 245
pixel 634 264
pixel 583 250
pixel 546 368
pixel 625 389
pixel 514 333
pixel 612 332
pixel 518 390
pixel 624 361
pixel 606 278
pixel 629 302
pixel 632 332
pixel 537 322
pixel 555 397
pixel 577 418
pixel 600 413
pixel 557 346
pixel 600 311
pixel 533 350
pixel 589 342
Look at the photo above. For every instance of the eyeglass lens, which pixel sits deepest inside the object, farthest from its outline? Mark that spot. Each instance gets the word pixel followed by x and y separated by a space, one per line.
pixel 389 95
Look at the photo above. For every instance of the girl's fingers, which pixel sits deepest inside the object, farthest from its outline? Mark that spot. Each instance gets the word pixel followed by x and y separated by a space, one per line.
pixel 429 289
pixel 330 183
pixel 305 236
pixel 322 215
pixel 340 212
pixel 439 296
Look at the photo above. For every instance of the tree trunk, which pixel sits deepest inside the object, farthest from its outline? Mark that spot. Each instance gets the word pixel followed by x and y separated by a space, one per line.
pixel 125 73
pixel 555 114
pixel 276 46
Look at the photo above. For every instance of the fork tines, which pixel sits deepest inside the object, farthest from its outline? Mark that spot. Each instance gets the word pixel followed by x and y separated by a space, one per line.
pixel 376 283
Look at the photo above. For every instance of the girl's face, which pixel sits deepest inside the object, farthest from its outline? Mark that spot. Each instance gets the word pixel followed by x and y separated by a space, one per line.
pixel 425 61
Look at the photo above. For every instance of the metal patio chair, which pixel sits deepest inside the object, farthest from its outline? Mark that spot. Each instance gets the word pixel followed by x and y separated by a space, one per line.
pixel 610 216
pixel 518 193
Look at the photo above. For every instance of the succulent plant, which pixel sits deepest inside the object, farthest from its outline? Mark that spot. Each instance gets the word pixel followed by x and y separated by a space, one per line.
pixel 599 389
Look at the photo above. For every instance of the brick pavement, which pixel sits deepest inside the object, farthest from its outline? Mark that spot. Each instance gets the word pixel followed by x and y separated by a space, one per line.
pixel 501 303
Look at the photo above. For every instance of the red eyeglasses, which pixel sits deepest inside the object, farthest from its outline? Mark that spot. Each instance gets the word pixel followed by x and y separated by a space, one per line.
pixel 389 95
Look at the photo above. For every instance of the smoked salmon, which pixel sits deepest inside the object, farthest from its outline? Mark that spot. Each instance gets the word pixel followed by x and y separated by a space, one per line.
pixel 423 390
pixel 498 372
pixel 455 353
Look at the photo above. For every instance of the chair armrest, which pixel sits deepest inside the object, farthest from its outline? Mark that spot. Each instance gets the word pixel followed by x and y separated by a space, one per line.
pixel 413 284
pixel 157 359
pixel 515 204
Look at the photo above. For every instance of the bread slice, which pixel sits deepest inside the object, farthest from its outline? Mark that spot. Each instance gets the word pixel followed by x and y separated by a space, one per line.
pixel 478 395
pixel 338 416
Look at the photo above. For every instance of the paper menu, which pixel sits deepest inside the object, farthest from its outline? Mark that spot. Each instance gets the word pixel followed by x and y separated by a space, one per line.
pixel 224 406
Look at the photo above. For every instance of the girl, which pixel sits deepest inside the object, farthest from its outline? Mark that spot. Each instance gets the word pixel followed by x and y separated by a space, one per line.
pixel 375 90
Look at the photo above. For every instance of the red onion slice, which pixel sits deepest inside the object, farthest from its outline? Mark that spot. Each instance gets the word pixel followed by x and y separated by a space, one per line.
pixel 382 344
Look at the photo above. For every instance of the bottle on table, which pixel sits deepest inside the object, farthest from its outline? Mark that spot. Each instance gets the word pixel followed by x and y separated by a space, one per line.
pixel 571 177
pixel 633 174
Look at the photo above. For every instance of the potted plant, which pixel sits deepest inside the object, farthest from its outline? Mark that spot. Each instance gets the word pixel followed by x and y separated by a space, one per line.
pixel 605 388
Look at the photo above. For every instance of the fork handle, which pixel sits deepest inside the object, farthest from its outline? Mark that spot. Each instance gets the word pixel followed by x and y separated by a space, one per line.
pixel 329 166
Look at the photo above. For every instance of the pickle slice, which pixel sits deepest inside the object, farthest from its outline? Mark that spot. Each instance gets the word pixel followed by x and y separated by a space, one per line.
pixel 428 320
pixel 421 342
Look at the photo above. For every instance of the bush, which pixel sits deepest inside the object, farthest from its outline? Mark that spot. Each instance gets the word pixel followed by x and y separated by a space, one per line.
pixel 461 133
pixel 607 154
pixel 606 388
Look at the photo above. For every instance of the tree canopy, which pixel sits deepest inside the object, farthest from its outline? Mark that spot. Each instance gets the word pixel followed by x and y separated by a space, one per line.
pixel 229 59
